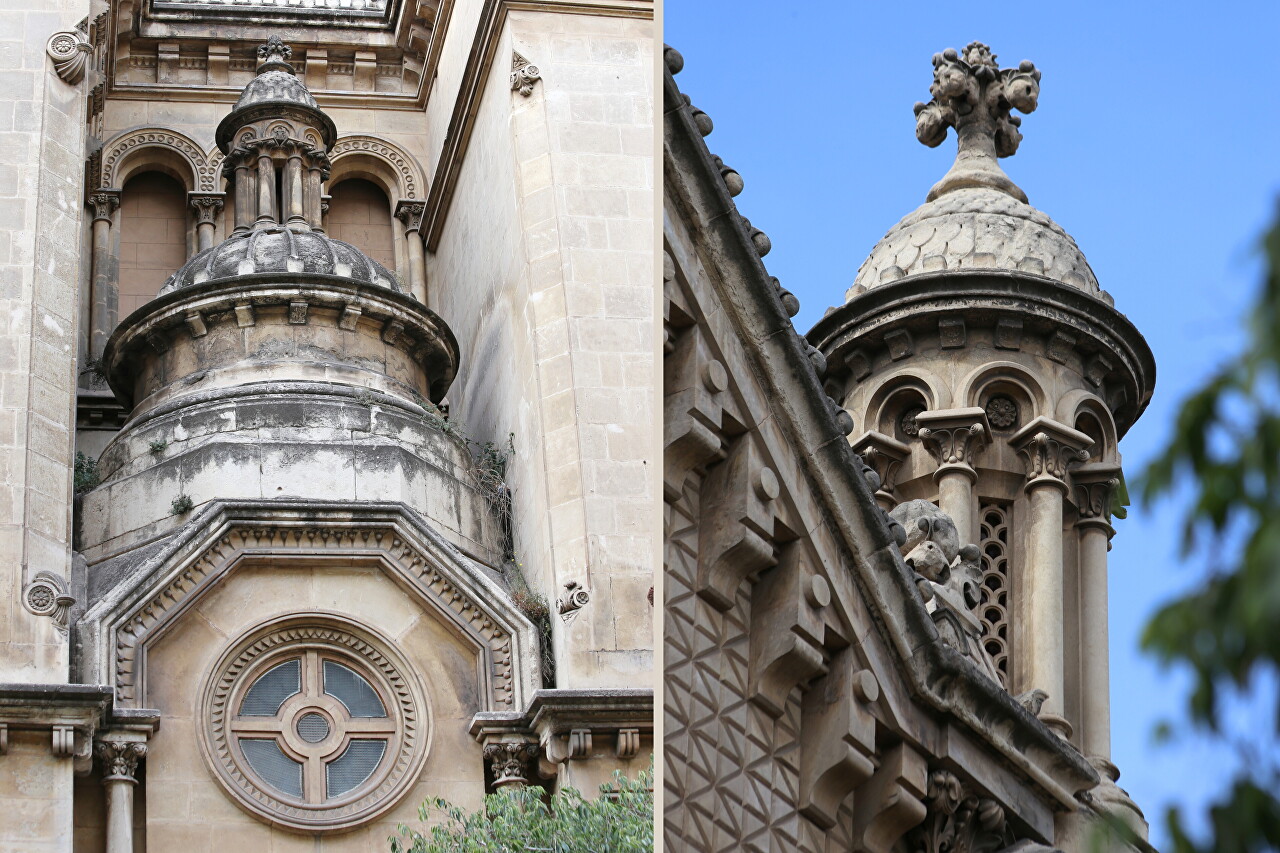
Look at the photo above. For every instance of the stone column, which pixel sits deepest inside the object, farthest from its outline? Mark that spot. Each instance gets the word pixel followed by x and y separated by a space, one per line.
pixel 266 189
pixel 119 767
pixel 1047 448
pixel 208 206
pixel 245 192
pixel 102 310
pixel 294 210
pixel 1094 487
pixel 410 211
pixel 952 436
pixel 885 455
pixel 311 196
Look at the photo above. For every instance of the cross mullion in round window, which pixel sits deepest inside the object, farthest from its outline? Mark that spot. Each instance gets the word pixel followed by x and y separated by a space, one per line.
pixel 313 728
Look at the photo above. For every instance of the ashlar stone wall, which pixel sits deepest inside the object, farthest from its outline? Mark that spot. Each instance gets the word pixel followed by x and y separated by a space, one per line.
pixel 556 316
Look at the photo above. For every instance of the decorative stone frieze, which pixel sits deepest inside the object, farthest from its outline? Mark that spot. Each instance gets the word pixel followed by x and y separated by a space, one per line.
pixel 523 74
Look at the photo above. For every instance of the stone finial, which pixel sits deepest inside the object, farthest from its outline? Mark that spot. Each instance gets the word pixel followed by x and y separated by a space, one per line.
pixel 274 55
pixel 973 95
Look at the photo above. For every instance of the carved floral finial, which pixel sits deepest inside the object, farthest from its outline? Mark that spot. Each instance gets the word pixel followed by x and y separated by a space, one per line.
pixel 274 55
pixel 976 97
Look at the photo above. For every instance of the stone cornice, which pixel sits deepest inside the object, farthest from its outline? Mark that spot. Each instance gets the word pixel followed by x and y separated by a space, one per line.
pixel 938 675
pixel 982 297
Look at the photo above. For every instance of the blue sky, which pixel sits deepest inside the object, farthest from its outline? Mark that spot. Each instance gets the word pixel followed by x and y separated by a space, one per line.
pixel 1156 145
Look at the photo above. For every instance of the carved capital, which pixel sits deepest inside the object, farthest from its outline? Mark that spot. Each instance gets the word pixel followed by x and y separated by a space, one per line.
pixel 120 759
pixel 959 821
pixel 976 97
pixel 885 455
pixel 69 51
pixel 1093 487
pixel 1048 448
pixel 207 206
pixel 523 74
pixel 410 212
pixel 952 436
pixel 104 202
pixel 510 762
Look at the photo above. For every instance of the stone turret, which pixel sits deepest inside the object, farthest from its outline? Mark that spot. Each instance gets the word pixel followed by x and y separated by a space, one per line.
pixel 987 371
pixel 281 362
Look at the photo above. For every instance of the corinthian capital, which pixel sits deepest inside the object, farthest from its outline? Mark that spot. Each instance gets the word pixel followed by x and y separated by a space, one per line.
pixel 206 205
pixel 510 762
pixel 120 759
pixel 1048 448
pixel 104 202
pixel 952 436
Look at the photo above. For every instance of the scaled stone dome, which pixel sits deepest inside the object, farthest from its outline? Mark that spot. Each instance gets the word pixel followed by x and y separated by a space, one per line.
pixel 976 228
pixel 275 86
pixel 277 249
pixel 976 218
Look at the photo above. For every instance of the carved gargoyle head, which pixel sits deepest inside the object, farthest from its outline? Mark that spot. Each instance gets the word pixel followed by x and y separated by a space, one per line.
pixel 932 543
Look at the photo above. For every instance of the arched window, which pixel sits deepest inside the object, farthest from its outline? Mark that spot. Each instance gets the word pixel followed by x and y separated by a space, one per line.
pixel 360 214
pixel 153 237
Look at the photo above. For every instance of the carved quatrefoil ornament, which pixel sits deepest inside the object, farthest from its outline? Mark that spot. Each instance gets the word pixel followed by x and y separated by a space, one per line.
pixel 315 723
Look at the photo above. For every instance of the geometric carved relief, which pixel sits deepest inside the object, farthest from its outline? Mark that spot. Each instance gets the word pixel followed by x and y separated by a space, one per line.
pixel 994 607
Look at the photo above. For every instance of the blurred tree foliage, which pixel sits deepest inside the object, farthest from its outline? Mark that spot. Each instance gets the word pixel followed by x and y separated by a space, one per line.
pixel 1226 447
pixel 523 820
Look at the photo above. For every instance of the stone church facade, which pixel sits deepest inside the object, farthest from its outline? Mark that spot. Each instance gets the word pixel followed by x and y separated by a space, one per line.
pixel 327 390
pixel 886 539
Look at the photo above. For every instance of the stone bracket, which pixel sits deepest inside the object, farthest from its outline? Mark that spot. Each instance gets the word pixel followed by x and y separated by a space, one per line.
pixel 891 802
pixel 885 455
pixel 694 408
pixel 837 738
pixel 739 525
pixel 787 631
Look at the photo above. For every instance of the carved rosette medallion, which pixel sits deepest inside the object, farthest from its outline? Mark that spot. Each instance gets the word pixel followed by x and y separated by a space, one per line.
pixel 69 51
pixel 120 759
pixel 1002 412
pixel 523 74
pixel 510 762
pixel 47 595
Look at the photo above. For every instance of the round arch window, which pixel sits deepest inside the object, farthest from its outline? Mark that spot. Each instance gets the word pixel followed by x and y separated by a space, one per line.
pixel 315 724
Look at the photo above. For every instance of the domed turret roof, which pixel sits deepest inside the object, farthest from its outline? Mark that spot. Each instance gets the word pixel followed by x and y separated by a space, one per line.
pixel 277 249
pixel 976 219
pixel 976 228
pixel 278 88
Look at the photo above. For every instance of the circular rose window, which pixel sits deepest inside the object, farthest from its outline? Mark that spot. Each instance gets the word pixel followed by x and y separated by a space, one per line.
pixel 315 723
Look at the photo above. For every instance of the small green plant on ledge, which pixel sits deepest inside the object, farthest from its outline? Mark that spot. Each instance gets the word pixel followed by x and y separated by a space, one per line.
pixel 86 477
pixel 158 445
pixel 181 505
pixel 620 820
